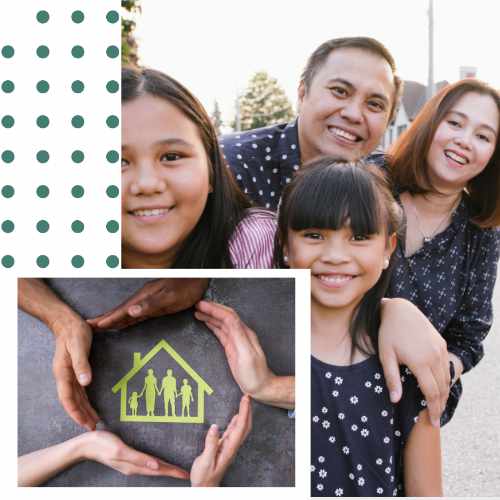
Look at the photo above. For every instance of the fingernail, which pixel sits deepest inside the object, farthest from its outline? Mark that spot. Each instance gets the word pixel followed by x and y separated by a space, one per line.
pixel 394 396
pixel 134 310
pixel 151 464
pixel 214 429
pixel 83 378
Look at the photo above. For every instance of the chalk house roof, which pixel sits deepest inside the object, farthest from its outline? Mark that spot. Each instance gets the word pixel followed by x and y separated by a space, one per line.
pixel 163 344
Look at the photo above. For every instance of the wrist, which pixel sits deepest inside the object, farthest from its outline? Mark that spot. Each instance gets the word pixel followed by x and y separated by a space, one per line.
pixel 62 319
pixel 77 448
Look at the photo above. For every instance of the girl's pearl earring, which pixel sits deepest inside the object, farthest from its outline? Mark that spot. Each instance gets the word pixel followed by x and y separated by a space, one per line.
pixel 386 263
pixel 285 259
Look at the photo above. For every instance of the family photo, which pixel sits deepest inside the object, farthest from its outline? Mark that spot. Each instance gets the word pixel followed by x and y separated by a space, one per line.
pixel 379 171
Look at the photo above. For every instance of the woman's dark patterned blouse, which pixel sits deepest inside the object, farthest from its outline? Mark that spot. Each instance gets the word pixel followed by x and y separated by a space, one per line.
pixel 451 280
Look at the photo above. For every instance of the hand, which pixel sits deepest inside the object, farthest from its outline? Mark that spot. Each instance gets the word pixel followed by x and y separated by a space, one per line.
pixel 71 368
pixel 209 468
pixel 407 337
pixel 156 298
pixel 245 356
pixel 110 450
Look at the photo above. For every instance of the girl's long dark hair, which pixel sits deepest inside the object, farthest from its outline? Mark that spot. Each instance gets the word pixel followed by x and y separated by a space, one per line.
pixel 208 244
pixel 332 194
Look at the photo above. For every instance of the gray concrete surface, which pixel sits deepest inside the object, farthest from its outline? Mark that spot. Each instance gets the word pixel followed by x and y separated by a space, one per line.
pixel 471 441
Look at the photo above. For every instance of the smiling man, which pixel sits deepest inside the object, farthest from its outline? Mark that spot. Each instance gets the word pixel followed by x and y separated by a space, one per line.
pixel 348 94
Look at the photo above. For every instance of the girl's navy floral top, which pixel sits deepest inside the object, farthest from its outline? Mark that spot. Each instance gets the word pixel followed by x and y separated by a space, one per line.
pixel 358 435
pixel 451 280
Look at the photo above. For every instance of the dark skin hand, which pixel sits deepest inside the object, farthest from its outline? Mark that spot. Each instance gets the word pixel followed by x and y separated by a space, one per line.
pixel 156 298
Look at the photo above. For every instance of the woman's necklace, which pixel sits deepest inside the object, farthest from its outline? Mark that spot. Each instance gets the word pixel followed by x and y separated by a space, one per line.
pixel 428 237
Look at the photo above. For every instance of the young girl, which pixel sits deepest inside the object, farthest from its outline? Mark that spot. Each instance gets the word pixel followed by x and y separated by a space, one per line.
pixel 180 205
pixel 446 173
pixel 340 221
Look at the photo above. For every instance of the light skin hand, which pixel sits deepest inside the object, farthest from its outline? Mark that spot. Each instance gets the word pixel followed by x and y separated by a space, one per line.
pixel 407 337
pixel 71 368
pixel 101 446
pixel 156 298
pixel 209 468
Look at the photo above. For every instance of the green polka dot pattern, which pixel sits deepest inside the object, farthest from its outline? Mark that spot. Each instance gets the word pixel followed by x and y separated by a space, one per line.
pixel 60 138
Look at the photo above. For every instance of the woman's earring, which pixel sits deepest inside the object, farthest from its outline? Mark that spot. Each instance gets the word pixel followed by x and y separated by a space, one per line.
pixel 285 259
pixel 386 263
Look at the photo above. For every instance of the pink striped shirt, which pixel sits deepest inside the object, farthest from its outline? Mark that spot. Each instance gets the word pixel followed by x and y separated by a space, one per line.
pixel 252 243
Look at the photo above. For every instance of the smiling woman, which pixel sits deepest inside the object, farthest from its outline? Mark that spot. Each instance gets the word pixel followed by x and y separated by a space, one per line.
pixel 180 205
pixel 446 171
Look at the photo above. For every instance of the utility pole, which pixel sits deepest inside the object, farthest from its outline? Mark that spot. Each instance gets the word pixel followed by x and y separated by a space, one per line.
pixel 237 118
pixel 430 80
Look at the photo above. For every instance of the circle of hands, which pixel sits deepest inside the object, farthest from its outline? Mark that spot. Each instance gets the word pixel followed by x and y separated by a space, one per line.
pixel 246 359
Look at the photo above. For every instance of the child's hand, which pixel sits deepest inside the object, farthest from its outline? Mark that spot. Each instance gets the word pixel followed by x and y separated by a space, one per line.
pixel 110 450
pixel 209 468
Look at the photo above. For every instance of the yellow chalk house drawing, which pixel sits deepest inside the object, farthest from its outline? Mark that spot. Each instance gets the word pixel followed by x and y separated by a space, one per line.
pixel 168 388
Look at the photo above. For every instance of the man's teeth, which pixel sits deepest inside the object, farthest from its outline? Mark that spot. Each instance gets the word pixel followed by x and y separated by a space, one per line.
pixel 344 134
pixel 455 157
pixel 335 278
pixel 150 213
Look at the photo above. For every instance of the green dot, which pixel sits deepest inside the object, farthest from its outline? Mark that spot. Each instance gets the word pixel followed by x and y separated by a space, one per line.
pixel 112 156
pixel 42 261
pixel 77 51
pixel 112 191
pixel 42 156
pixel 43 121
pixel 8 156
pixel 77 16
pixel 8 86
pixel 8 191
pixel 77 226
pixel 77 121
pixel 112 86
pixel 8 121
pixel 7 226
pixel 42 226
pixel 42 16
pixel 77 261
pixel 112 121
pixel 7 261
pixel 42 86
pixel 7 51
pixel 42 191
pixel 112 226
pixel 112 51
pixel 112 261
pixel 77 86
pixel 42 51
pixel 112 16
pixel 77 191
pixel 77 156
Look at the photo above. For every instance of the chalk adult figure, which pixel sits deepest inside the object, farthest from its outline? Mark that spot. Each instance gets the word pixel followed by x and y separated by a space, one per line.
pixel 187 397
pixel 446 170
pixel 169 388
pixel 348 94
pixel 151 389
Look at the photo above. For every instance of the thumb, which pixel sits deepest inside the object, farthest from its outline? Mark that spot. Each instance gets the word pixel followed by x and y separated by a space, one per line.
pixel 79 360
pixel 392 376
pixel 211 444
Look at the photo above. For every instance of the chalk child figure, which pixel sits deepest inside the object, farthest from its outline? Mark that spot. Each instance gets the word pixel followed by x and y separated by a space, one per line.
pixel 151 390
pixel 133 401
pixel 187 397
pixel 169 388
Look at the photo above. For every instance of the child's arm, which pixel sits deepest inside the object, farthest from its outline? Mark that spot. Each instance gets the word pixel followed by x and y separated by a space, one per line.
pixel 422 460
pixel 102 446
pixel 209 468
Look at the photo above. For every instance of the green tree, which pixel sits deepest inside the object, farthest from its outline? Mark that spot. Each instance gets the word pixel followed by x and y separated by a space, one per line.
pixel 129 44
pixel 263 103
pixel 216 118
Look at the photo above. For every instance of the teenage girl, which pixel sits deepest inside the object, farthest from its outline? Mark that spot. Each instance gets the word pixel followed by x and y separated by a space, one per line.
pixel 180 205
pixel 340 221
pixel 446 173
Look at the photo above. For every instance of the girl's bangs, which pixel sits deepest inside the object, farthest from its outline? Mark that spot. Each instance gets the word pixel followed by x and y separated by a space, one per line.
pixel 334 197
